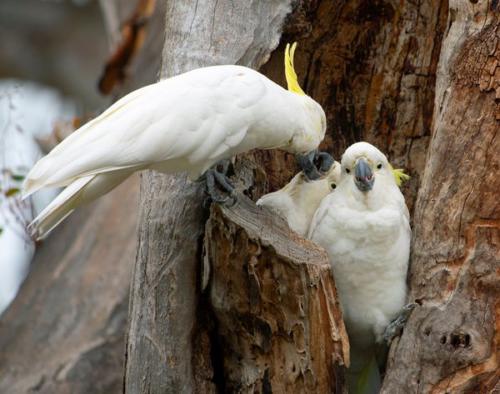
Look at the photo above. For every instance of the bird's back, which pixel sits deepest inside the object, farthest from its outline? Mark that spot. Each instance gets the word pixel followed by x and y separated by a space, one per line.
pixel 194 117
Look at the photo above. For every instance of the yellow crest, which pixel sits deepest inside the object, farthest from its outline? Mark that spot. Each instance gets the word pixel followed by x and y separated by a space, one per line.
pixel 399 175
pixel 291 75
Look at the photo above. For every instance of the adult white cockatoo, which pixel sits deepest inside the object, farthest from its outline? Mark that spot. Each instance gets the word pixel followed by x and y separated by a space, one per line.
pixel 298 200
pixel 188 123
pixel 364 227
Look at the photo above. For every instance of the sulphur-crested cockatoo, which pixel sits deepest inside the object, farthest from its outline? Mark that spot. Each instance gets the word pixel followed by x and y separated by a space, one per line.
pixel 188 123
pixel 298 200
pixel 364 227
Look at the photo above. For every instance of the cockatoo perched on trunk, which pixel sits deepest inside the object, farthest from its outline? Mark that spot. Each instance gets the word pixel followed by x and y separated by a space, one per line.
pixel 298 200
pixel 364 227
pixel 188 123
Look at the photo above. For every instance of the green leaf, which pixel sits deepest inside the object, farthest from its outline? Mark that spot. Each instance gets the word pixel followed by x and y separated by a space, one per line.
pixel 17 177
pixel 1 230
pixel 12 191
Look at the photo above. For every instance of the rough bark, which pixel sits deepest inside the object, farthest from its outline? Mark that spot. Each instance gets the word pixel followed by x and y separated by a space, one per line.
pixel 164 339
pixel 278 321
pixel 64 333
pixel 372 66
pixel 136 30
pixel 451 342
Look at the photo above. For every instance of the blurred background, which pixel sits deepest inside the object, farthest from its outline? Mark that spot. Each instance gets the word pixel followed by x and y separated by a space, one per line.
pixel 52 53
pixel 63 309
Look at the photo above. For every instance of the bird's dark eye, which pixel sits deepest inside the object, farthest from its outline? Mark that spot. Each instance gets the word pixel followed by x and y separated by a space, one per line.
pixel 333 185
pixel 347 170
pixel 379 166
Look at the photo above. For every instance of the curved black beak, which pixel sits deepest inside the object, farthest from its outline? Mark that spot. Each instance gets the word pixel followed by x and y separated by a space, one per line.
pixel 315 164
pixel 363 175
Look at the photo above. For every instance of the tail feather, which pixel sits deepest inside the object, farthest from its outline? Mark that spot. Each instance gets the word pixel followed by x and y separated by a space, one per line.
pixel 58 210
pixel 34 180
pixel 363 376
pixel 81 191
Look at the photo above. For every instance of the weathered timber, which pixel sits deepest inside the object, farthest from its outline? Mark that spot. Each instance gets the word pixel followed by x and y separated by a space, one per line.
pixel 278 320
pixel 451 343
pixel 372 66
pixel 163 345
pixel 64 333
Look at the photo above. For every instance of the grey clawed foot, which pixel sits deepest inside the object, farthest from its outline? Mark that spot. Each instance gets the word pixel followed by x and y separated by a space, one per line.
pixel 315 164
pixel 219 187
pixel 395 327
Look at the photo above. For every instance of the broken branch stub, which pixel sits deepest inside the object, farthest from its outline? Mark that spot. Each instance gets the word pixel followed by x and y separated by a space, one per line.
pixel 273 295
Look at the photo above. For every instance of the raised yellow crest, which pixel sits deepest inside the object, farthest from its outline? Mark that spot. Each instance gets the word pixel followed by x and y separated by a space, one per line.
pixel 291 75
pixel 399 175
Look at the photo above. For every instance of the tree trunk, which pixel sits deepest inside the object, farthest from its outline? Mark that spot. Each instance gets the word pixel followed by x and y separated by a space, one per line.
pixel 161 353
pixel 64 333
pixel 372 66
pixel 450 344
pixel 279 324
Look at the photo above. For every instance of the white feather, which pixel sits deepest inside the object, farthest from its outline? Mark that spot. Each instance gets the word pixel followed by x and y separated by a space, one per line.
pixel 185 123
pixel 367 236
pixel 299 199
pixel 188 122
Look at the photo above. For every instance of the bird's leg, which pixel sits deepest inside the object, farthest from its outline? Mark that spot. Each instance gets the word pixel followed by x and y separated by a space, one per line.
pixel 315 164
pixel 216 178
pixel 395 327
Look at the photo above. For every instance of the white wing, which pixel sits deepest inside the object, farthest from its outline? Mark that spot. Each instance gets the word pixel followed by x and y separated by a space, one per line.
pixel 319 215
pixel 181 121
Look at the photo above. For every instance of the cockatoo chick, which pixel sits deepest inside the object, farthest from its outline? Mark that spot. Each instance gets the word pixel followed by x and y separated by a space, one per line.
pixel 364 227
pixel 187 123
pixel 298 200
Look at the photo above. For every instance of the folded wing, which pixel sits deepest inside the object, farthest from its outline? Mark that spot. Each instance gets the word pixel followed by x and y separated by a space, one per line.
pixel 181 121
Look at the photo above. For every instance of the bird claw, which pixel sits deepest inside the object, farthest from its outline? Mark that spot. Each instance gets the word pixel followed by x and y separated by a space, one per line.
pixel 216 178
pixel 395 327
pixel 315 164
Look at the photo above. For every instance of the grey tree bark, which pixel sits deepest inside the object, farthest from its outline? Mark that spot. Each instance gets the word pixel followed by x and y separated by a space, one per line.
pixel 64 333
pixel 451 342
pixel 279 326
pixel 164 298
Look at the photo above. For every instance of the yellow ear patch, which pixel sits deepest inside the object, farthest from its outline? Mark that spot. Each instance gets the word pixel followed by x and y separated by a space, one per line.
pixel 291 75
pixel 399 175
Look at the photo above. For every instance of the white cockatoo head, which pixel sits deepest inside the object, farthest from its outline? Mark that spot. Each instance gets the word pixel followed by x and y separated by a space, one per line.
pixel 366 170
pixel 313 125
pixel 299 199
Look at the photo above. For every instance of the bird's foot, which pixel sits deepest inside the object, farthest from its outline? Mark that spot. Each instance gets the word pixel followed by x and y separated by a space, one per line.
pixel 315 164
pixel 219 187
pixel 395 327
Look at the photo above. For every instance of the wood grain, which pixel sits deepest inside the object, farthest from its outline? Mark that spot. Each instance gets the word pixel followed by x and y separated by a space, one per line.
pixel 277 314
pixel 451 342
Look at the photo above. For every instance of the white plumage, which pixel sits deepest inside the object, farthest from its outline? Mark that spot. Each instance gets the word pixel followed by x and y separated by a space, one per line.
pixel 27 111
pixel 298 200
pixel 367 236
pixel 185 123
